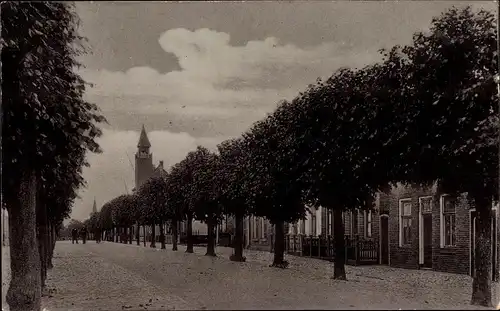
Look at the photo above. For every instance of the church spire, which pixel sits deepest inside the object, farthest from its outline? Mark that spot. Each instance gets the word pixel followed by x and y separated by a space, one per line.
pixel 143 140
pixel 94 208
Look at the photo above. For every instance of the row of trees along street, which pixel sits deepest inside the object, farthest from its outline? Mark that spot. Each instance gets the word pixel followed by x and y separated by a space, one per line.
pixel 47 130
pixel 423 115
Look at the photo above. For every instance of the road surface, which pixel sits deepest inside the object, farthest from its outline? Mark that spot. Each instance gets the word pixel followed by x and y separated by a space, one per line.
pixel 112 276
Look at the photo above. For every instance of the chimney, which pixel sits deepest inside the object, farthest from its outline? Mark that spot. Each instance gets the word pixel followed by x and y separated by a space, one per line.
pixel 161 164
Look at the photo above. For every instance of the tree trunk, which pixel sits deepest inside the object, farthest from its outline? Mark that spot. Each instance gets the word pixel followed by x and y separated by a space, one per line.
pixel 144 231
pixel 175 234
pixel 130 236
pixel 24 292
pixel 162 235
pixel 153 236
pixel 190 246
pixel 138 234
pixel 116 234
pixel 41 220
pixel 210 236
pixel 279 246
pixel 238 240
pixel 481 282
pixel 52 240
pixel 339 242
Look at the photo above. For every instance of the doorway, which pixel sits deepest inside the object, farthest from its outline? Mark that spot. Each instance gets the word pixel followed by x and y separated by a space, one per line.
pixel 427 240
pixel 384 239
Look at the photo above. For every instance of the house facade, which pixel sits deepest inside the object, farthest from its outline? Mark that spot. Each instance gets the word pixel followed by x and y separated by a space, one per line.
pixel 413 228
pixel 435 231
pixel 359 225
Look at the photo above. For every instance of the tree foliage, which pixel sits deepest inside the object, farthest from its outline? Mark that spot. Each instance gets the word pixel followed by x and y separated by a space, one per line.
pixel 445 109
pixel 124 210
pixel 152 199
pixel 46 120
pixel 234 167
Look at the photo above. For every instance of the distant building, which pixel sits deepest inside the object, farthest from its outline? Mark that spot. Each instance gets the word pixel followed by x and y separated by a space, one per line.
pixel 94 207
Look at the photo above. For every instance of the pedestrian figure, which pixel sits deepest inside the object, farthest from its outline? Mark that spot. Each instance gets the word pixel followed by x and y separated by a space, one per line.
pixel 84 234
pixel 98 235
pixel 74 234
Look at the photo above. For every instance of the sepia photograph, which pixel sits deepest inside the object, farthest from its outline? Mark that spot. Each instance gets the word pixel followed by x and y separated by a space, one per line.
pixel 250 155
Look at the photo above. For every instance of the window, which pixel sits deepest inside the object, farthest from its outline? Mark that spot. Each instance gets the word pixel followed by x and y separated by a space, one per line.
pixel 368 224
pixel 329 223
pixel 354 222
pixel 405 222
pixel 346 222
pixel 303 227
pixel 255 228
pixel 313 223
pixel 264 228
pixel 426 205
pixel 448 228
pixel 295 228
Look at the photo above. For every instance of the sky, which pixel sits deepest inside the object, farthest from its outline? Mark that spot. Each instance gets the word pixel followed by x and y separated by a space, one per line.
pixel 197 73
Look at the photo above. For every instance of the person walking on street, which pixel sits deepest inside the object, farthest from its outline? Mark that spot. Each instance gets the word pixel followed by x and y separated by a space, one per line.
pixel 84 234
pixel 74 235
pixel 98 235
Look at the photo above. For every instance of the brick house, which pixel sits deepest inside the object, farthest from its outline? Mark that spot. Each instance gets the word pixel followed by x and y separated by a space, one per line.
pixel 432 230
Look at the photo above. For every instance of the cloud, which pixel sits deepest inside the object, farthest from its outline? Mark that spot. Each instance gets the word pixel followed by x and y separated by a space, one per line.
pixel 218 80
pixel 111 173
pixel 219 92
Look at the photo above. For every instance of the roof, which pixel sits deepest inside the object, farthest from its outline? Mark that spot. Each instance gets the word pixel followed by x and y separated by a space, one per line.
pixel 143 139
pixel 159 170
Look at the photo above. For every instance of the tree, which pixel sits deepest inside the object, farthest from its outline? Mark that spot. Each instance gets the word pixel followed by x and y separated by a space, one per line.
pixel 176 201
pixel 273 194
pixel 445 106
pixel 94 225
pixel 153 200
pixel 106 220
pixel 181 192
pixel 123 215
pixel 233 169
pixel 55 195
pixel 44 115
pixel 205 192
pixel 329 151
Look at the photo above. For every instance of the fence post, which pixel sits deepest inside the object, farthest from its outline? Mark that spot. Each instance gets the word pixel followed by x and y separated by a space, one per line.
pixel 328 246
pixel 310 245
pixel 319 245
pixel 346 246
pixel 301 244
pixel 357 251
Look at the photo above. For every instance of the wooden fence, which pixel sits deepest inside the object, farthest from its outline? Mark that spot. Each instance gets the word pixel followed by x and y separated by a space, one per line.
pixel 358 251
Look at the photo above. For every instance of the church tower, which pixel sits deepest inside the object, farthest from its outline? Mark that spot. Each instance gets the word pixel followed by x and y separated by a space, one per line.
pixel 143 160
pixel 94 208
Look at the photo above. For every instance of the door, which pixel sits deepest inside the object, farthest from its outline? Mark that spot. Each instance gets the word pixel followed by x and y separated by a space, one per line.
pixel 427 236
pixel 384 240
